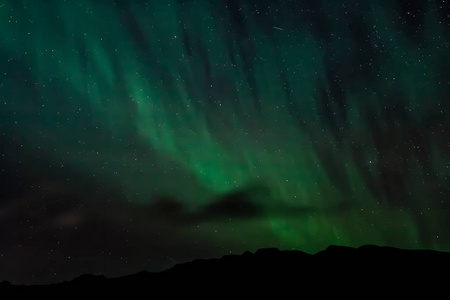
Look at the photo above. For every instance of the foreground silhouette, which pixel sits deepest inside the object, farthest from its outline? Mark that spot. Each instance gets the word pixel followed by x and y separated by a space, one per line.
pixel 335 269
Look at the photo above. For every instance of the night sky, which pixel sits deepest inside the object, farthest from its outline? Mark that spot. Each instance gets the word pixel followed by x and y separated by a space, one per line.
pixel 139 134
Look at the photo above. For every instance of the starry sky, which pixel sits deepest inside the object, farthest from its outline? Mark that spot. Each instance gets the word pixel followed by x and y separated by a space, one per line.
pixel 139 134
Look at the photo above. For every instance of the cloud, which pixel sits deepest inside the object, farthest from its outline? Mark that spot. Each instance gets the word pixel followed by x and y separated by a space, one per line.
pixel 233 205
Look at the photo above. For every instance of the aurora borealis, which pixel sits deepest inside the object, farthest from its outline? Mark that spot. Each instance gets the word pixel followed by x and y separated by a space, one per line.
pixel 138 134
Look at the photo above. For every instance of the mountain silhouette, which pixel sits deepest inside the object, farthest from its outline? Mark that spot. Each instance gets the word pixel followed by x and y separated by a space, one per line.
pixel 272 271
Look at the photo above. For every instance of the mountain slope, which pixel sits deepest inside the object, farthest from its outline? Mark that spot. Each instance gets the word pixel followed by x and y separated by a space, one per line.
pixel 334 270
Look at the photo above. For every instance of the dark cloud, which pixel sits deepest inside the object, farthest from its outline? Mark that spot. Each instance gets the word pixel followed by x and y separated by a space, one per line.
pixel 233 205
pixel 242 204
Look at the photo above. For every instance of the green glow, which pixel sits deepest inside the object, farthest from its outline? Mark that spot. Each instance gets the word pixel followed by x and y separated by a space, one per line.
pixel 219 112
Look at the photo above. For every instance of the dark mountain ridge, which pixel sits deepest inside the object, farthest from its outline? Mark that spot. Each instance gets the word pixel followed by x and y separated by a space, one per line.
pixel 272 270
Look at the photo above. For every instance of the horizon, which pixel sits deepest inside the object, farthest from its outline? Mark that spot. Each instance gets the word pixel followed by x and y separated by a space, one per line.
pixel 372 252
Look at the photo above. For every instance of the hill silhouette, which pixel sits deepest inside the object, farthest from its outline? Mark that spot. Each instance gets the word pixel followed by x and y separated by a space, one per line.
pixel 270 270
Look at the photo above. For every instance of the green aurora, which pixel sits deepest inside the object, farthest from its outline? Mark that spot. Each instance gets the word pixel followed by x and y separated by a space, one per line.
pixel 326 120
